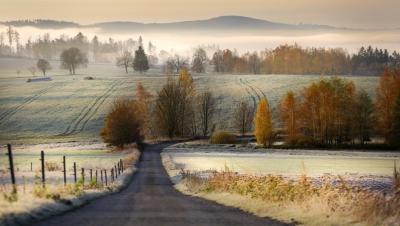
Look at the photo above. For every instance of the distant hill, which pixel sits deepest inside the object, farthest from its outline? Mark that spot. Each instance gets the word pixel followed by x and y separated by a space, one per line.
pixel 223 23
pixel 43 24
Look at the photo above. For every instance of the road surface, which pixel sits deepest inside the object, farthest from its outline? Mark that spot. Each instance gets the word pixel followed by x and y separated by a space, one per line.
pixel 150 199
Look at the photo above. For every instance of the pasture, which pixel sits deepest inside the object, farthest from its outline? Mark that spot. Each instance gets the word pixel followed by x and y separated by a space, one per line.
pixel 69 108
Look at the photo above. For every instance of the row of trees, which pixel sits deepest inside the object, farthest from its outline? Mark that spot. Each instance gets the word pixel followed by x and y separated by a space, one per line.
pixel 332 111
pixel 44 47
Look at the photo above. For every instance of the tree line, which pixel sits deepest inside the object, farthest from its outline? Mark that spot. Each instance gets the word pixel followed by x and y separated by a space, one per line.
pixel 328 112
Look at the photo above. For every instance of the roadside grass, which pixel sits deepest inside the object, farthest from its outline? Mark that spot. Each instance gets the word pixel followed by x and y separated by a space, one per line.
pixel 301 201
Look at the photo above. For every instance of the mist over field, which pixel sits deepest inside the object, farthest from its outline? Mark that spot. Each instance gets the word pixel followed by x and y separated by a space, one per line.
pixel 243 33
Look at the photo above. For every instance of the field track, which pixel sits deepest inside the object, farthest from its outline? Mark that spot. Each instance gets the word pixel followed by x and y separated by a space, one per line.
pixel 15 109
pixel 265 97
pixel 78 124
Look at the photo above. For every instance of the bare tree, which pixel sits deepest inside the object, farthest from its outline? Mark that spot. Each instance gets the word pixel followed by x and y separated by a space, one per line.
pixel 125 60
pixel 43 65
pixel 72 59
pixel 10 35
pixel 178 62
pixel 207 106
pixel 32 69
pixel 167 108
pixel 254 63
pixel 200 60
pixel 243 118
pixel 16 38
pixel 1 42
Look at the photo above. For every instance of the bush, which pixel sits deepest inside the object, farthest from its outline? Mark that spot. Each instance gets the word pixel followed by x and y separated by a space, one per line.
pixel 223 137
pixel 122 123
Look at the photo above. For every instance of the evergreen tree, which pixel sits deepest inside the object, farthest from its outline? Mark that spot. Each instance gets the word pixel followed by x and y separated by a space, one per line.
pixel 140 63
pixel 264 129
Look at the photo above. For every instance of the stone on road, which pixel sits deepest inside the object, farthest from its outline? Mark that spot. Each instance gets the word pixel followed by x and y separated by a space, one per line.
pixel 151 199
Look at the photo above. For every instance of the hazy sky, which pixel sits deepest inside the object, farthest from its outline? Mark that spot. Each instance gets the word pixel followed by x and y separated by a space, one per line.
pixel 339 13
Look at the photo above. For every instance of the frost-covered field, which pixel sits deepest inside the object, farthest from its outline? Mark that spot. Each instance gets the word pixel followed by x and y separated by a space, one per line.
pixel 368 169
pixel 70 108
pixel 93 156
pixel 32 202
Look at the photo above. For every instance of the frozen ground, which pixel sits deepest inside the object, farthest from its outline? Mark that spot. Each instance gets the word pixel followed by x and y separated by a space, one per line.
pixel 361 168
pixel 29 207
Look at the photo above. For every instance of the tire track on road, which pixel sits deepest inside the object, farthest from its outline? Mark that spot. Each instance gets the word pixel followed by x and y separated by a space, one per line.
pixel 36 95
pixel 90 110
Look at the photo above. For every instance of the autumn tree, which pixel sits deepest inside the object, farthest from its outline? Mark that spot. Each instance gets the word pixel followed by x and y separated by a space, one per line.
pixel 145 106
pixel 394 133
pixel 122 123
pixel 140 63
pixel 361 110
pixel 188 121
pixel 325 110
pixel 243 118
pixel 125 60
pixel 43 65
pixel 385 97
pixel 72 59
pixel 264 129
pixel 206 106
pixel 289 112
pixel 200 60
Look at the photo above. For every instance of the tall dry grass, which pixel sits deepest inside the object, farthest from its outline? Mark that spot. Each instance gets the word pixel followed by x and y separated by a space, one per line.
pixel 354 203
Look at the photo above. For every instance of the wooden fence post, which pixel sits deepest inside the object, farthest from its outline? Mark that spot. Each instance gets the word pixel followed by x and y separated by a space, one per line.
pixel 31 166
pixel 115 171
pixel 83 176
pixel 119 169
pixel 105 175
pixel 10 158
pixel 43 169
pixel 101 176
pixel 91 175
pixel 64 171
pixel 96 176
pixel 122 165
pixel 75 172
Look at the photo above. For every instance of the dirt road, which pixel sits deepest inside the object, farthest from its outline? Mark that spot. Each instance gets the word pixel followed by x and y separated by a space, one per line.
pixel 150 199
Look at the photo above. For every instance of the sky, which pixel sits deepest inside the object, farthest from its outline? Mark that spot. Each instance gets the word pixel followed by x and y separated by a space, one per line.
pixel 364 14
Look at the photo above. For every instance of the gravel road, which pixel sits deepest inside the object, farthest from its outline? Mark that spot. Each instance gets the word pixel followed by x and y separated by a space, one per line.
pixel 150 199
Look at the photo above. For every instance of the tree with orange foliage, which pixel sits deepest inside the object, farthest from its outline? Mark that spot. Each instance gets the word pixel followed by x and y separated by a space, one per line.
pixel 385 97
pixel 122 123
pixel 188 122
pixel 289 112
pixel 145 105
pixel 264 129
pixel 326 110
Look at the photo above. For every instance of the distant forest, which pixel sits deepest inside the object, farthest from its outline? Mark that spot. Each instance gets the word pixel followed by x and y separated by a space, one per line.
pixel 284 59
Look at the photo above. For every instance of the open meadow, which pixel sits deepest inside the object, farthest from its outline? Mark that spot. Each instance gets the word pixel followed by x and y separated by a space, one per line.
pixel 70 108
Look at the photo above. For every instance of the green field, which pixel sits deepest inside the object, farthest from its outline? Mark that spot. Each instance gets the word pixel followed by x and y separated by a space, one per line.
pixel 70 108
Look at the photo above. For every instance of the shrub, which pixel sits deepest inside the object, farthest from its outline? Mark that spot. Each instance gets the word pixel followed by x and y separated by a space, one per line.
pixel 223 137
pixel 122 123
